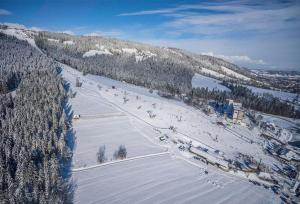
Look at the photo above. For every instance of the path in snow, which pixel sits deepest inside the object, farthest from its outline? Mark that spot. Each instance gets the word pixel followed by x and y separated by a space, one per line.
pixel 118 161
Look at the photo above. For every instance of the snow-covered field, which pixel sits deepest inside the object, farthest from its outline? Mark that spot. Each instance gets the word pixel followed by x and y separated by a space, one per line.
pixel 234 74
pixel 190 124
pixel 163 179
pixel 91 53
pixel 111 132
pixel 212 73
pixel 158 172
pixel 279 94
pixel 204 81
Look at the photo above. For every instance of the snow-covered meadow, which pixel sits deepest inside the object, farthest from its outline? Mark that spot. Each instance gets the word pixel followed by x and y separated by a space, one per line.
pixel 156 171
pixel 211 84
pixel 279 94
pixel 163 179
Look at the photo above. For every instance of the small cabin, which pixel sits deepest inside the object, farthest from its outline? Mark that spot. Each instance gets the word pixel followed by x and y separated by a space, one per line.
pixel 76 116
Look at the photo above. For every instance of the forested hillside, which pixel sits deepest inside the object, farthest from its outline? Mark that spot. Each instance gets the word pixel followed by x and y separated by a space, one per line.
pixel 265 103
pixel 158 73
pixel 34 144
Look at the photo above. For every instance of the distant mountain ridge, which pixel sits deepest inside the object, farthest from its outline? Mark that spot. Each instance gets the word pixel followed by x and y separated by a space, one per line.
pixel 91 46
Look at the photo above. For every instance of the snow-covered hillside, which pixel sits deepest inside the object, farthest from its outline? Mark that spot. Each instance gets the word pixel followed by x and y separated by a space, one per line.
pixel 161 136
pixel 279 94
pixel 91 53
pixel 93 45
pixel 21 33
pixel 212 84
pixel 156 170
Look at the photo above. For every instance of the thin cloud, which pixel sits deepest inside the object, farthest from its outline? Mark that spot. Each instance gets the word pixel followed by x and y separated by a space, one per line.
pixel 239 59
pixel 150 12
pixel 232 16
pixel 113 33
pixel 259 34
pixel 4 12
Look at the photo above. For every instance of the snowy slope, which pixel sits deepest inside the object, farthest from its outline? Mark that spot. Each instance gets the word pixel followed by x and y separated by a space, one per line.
pixel 279 94
pixel 167 178
pixel 234 74
pixel 91 53
pixel 164 179
pixel 203 81
pixel 21 35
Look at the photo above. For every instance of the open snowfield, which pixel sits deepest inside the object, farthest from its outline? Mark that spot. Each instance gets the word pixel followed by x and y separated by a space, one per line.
pixel 279 94
pixel 111 132
pixel 190 124
pixel 154 171
pixel 204 81
pixel 102 124
pixel 164 179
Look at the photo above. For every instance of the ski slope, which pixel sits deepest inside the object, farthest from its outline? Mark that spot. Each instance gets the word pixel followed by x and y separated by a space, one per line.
pixel 155 171
pixel 200 81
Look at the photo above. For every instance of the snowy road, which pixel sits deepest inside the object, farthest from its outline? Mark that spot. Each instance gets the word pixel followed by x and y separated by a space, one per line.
pixel 119 161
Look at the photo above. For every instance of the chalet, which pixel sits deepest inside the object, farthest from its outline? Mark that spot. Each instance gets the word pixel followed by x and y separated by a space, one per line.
pixel 76 116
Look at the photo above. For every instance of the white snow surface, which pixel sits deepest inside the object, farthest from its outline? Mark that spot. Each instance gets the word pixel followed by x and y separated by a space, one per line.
pixel 212 73
pixel 204 81
pixel 106 119
pixel 21 35
pixel 234 74
pixel 129 50
pixel 53 40
pixel 69 42
pixel 279 94
pixel 164 179
pixel 91 53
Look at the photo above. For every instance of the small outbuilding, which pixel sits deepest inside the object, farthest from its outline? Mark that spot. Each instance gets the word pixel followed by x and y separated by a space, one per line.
pixel 76 116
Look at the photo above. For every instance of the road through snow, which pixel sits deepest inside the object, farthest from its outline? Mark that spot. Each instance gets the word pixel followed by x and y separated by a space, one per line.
pixel 119 161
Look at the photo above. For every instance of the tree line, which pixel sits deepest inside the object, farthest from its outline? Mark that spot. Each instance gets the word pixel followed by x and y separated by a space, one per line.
pixel 35 151
pixel 265 103
pixel 157 73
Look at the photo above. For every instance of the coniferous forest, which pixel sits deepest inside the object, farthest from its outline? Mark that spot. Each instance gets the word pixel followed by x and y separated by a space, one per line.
pixel 35 142
pixel 156 73
pixel 265 103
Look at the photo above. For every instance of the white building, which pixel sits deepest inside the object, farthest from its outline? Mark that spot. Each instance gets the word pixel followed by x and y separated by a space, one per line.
pixel 238 112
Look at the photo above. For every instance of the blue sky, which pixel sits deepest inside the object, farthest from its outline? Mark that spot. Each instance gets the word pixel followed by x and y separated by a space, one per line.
pixel 256 34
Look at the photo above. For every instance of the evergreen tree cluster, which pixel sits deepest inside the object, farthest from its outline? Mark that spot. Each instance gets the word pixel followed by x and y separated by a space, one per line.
pixel 265 103
pixel 17 58
pixel 34 145
pixel 157 73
